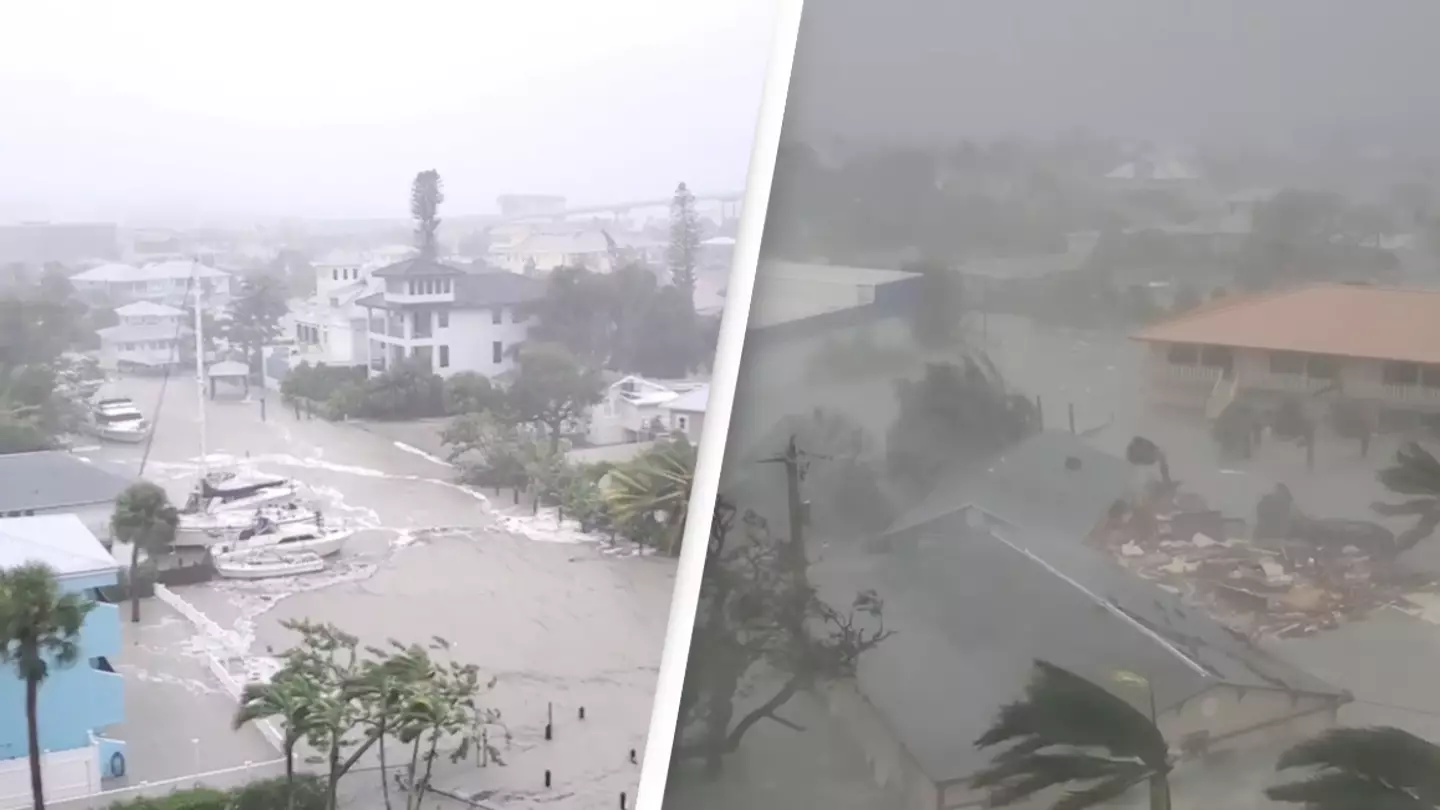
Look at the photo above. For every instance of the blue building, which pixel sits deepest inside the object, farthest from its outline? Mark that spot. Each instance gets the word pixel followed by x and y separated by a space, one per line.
pixel 78 702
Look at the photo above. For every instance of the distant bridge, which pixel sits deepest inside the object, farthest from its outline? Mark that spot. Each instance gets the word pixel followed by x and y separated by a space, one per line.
pixel 616 208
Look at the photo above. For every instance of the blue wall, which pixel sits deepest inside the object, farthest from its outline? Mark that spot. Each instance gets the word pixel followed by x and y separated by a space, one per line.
pixel 74 701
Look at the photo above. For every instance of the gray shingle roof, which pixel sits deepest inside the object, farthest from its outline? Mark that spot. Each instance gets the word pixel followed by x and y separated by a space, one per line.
pixel 54 479
pixel 417 266
pixel 973 610
pixel 1029 486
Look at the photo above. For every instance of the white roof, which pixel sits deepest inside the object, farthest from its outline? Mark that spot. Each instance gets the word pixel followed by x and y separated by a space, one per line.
pixel 141 309
pixel 155 271
pixel 720 241
pixel 59 541
pixel 832 273
pixel 693 401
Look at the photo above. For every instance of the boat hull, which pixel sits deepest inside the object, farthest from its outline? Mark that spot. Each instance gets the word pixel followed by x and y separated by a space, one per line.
pixel 121 436
pixel 327 545
pixel 227 527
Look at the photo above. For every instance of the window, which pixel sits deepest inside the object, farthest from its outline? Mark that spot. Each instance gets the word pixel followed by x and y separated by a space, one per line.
pixel 1183 354
pixel 1396 373
pixel 444 357
pixel 497 352
pixel 1430 376
pixel 447 285
pixel 1216 357
pixel 497 315
pixel 334 301
pixel 1322 367
pixel 442 319
pixel 1287 363
pixel 334 275
pixel 682 422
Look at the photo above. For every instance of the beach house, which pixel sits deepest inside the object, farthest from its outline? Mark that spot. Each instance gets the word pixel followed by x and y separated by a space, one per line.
pixel 165 282
pixel 449 319
pixel 149 335
pixel 1373 345
pixel 76 702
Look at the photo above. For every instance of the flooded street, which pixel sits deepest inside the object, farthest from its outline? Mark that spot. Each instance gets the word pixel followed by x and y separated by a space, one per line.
pixel 558 620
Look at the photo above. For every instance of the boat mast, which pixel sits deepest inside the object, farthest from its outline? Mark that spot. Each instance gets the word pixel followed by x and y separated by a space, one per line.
pixel 200 364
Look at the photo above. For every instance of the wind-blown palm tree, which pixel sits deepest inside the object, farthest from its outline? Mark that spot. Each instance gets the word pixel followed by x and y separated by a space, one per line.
pixel 290 698
pixel 1416 473
pixel 657 483
pixel 146 520
pixel 39 631
pixel 1371 768
pixel 1144 453
pixel 1071 733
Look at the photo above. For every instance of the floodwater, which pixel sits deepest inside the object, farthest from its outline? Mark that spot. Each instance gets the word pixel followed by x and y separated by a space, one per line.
pixel 561 620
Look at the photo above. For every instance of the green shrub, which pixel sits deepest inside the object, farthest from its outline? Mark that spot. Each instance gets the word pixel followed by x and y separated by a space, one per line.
pixel 267 794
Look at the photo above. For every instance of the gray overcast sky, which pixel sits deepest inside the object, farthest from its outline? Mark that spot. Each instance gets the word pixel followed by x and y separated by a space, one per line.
pixel 325 108
pixel 1164 69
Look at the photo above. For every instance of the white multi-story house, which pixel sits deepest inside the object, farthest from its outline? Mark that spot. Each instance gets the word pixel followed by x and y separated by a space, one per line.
pixel 166 282
pixel 451 319
pixel 635 409
pixel 329 327
pixel 149 335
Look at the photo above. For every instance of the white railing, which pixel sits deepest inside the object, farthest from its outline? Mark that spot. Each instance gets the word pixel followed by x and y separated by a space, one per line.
pixel 1290 383
pixel 224 779
pixel 208 628
pixel 1186 372
pixel 1405 395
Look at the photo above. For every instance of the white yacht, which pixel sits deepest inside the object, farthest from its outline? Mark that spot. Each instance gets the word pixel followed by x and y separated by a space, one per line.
pixel 312 536
pixel 204 529
pixel 117 419
pixel 267 563
pixel 239 491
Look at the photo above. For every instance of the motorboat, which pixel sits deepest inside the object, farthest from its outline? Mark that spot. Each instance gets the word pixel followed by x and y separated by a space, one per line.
pixel 117 419
pixel 313 537
pixel 204 529
pixel 239 491
pixel 267 563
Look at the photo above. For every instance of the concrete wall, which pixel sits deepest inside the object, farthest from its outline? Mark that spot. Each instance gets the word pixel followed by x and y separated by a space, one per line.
pixel 68 775
pixel 75 701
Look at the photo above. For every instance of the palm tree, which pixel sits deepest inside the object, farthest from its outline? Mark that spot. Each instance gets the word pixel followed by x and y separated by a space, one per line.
pixel 146 520
pixel 1374 768
pixel 656 485
pixel 289 697
pixel 1071 732
pixel 1417 473
pixel 39 629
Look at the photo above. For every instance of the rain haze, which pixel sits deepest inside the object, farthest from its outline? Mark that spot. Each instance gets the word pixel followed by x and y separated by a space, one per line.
pixel 170 109
pixel 1091 366
pixel 343 324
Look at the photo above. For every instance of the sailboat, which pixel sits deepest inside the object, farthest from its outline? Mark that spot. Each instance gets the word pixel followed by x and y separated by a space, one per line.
pixel 226 504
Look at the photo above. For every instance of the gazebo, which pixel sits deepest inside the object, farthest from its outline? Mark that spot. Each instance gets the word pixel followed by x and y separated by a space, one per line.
pixel 231 371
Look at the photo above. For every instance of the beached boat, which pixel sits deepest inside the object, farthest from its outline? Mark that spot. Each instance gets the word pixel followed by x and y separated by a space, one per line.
pixel 239 491
pixel 117 419
pixel 203 529
pixel 312 536
pixel 267 563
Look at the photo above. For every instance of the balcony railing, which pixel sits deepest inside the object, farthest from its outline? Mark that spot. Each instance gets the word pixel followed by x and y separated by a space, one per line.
pixel 1189 373
pixel 1288 383
pixel 1423 396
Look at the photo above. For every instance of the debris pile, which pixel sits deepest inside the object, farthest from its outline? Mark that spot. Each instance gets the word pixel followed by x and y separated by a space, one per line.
pixel 1305 581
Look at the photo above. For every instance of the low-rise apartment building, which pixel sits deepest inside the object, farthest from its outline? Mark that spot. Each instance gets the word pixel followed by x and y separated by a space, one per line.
pixel 1375 345
pixel 635 409
pixel 76 702
pixel 450 319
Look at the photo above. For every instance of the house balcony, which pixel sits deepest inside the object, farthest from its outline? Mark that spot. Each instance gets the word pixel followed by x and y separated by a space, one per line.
pixel 101 631
pixel 1287 383
pixel 1183 373
pixel 1418 397
pixel 404 298
pixel 105 696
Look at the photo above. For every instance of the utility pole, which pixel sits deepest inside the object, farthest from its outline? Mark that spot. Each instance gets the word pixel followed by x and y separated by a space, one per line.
pixel 793 558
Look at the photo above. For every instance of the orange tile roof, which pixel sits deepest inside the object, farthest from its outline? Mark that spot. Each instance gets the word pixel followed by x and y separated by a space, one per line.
pixel 1337 319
